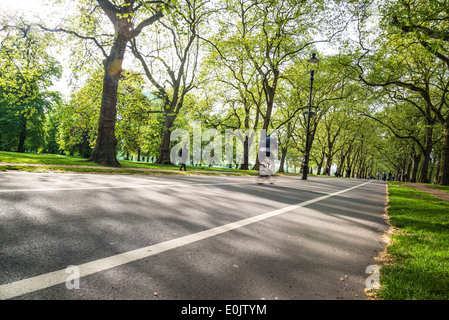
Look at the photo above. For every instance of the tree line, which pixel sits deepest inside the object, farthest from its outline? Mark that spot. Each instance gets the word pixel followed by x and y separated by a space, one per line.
pixel 141 69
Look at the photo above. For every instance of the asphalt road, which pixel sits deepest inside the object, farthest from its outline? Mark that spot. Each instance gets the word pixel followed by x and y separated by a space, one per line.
pixel 187 237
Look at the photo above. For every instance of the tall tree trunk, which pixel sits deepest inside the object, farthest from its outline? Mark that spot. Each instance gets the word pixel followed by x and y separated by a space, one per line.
pixel 425 159
pixel 415 164
pixel 409 168
pixel 282 162
pixel 104 150
pixel 164 150
pixel 245 164
pixel 432 166
pixel 436 180
pixel 443 175
pixel 270 92
pixel 341 164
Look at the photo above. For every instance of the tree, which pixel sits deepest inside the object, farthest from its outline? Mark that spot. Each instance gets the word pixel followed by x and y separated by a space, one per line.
pixel 79 117
pixel 178 57
pixel 268 35
pixel 426 23
pixel 404 59
pixel 26 71
pixel 332 87
pixel 135 109
pixel 124 16
pixel 233 78
pixel 406 116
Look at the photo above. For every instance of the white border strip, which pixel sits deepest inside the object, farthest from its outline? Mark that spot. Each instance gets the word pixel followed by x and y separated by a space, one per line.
pixel 18 288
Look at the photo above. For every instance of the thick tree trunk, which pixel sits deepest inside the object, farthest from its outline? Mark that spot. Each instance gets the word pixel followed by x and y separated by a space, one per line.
pixel 432 167
pixel 164 150
pixel 283 156
pixel 415 164
pixel 341 164
pixel 104 151
pixel 436 180
pixel 443 175
pixel 425 159
pixel 328 163
pixel 245 164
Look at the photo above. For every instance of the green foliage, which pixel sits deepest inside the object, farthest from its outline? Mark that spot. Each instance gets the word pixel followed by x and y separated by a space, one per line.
pixel 242 64
pixel 136 129
pixel 26 71
pixel 79 118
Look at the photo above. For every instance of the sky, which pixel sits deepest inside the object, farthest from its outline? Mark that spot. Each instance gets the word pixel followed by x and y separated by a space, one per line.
pixel 28 7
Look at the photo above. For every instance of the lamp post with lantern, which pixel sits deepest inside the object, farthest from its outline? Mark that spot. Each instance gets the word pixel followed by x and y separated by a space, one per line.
pixel 313 63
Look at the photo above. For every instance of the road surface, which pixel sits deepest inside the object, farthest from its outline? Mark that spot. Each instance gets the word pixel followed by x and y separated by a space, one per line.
pixel 92 236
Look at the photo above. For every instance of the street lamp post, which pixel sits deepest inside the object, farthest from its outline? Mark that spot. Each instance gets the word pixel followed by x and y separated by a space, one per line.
pixel 305 169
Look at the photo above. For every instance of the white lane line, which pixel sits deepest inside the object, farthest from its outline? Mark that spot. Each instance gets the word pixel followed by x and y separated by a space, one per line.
pixel 21 287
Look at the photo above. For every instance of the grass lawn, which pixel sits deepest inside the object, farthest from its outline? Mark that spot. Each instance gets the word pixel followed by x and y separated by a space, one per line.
pixel 41 158
pixel 127 167
pixel 440 187
pixel 417 266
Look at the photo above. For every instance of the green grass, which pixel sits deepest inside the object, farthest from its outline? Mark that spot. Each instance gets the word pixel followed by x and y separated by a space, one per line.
pixel 126 167
pixel 41 158
pixel 418 264
pixel 44 168
pixel 440 187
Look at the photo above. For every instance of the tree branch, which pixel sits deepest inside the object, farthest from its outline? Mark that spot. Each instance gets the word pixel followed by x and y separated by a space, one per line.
pixel 111 10
pixel 394 132
pixel 145 23
pixel 76 35
pixel 148 73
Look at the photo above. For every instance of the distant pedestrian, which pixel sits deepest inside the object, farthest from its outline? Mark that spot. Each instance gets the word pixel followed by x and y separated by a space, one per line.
pixel 184 156
pixel 378 175
pixel 384 176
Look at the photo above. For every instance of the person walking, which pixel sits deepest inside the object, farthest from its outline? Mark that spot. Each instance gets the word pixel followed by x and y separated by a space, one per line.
pixel 184 156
